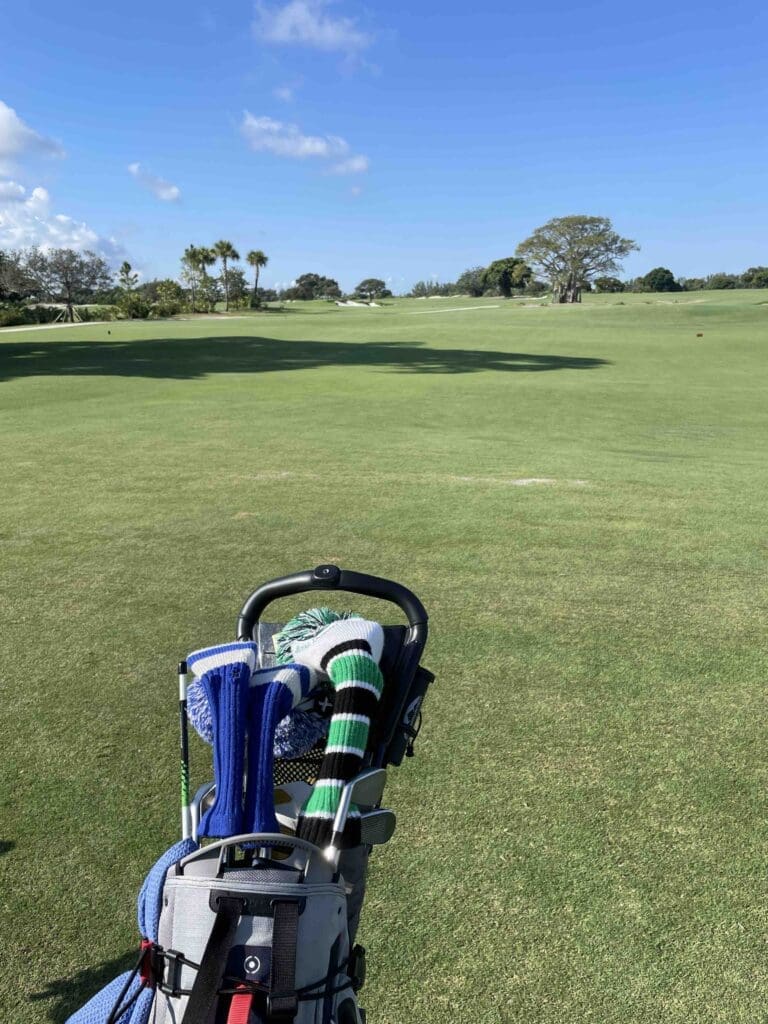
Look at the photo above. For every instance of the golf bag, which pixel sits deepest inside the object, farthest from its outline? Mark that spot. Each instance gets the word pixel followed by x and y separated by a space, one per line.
pixel 260 928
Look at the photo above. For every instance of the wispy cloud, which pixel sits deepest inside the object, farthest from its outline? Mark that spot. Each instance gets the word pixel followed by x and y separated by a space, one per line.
pixel 306 23
pixel 352 165
pixel 27 219
pixel 287 140
pixel 159 187
pixel 17 139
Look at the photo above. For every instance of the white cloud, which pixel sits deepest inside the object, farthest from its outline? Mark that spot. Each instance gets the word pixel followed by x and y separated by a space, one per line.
pixel 159 187
pixel 26 219
pixel 264 133
pixel 355 191
pixel 18 139
pixel 305 23
pixel 287 140
pixel 11 192
pixel 352 165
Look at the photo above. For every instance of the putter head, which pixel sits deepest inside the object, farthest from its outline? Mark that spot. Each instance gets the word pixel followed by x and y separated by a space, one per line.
pixel 377 827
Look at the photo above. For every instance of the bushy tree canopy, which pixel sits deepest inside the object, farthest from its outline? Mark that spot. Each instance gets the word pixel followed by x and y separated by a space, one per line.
pixel 755 277
pixel 313 286
pixel 373 288
pixel 63 275
pixel 472 282
pixel 572 250
pixel 608 284
pixel 660 279
pixel 718 281
pixel 507 275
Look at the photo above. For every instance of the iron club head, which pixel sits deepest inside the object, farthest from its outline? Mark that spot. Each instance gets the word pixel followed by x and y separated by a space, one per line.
pixel 377 827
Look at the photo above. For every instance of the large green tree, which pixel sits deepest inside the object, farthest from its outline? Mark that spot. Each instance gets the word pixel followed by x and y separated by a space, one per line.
pixel 755 277
pixel 133 305
pixel 16 282
pixel 313 286
pixel 573 250
pixel 722 280
pixel 70 277
pixel 372 288
pixel 507 275
pixel 225 251
pixel 256 259
pixel 472 282
pixel 660 279
pixel 237 287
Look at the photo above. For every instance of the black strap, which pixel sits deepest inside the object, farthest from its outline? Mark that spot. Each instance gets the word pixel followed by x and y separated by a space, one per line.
pixel 283 1002
pixel 205 990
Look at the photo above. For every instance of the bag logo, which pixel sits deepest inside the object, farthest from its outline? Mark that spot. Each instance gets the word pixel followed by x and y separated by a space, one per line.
pixel 252 965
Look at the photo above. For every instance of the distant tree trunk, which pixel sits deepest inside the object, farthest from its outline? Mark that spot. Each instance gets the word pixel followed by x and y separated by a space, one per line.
pixel 255 302
pixel 566 291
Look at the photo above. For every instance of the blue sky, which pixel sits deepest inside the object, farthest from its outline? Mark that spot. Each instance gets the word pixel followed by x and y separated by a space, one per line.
pixel 393 140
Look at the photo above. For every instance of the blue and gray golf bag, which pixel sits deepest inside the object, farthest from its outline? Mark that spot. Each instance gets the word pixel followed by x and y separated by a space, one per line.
pixel 244 921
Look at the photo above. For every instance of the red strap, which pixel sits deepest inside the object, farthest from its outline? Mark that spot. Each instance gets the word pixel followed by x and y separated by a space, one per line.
pixel 145 971
pixel 240 1007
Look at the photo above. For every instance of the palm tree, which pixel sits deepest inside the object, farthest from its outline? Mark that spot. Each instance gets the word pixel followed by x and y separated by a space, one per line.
pixel 257 259
pixel 192 267
pixel 207 258
pixel 226 251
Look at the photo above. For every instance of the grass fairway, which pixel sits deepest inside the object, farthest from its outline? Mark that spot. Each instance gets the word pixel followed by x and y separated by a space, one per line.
pixel 582 836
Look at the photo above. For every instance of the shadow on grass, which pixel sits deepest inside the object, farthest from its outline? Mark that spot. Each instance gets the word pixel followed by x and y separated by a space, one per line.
pixel 188 358
pixel 6 845
pixel 69 994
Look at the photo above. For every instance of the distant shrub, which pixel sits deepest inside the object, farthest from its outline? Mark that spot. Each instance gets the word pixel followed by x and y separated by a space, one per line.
pixel 608 284
pixel 133 306
pixel 722 281
pixel 16 314
pixel 90 313
pixel 755 277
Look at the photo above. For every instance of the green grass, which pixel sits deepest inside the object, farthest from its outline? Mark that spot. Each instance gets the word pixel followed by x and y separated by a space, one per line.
pixel 582 837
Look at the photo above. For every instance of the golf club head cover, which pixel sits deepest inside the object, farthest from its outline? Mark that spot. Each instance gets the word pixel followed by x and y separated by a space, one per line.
pixel 295 735
pixel 273 694
pixel 348 651
pixel 225 676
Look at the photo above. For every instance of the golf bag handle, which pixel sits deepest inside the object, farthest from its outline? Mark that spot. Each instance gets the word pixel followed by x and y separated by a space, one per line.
pixel 331 577
pixel 260 839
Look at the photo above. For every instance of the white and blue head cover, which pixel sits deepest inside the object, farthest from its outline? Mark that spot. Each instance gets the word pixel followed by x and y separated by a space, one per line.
pixel 229 700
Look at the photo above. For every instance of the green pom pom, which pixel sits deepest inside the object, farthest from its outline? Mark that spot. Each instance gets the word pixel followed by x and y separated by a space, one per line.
pixel 304 626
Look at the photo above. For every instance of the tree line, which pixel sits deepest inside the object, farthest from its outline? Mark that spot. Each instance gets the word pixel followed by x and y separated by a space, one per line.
pixel 38 286
pixel 565 257
pixel 571 255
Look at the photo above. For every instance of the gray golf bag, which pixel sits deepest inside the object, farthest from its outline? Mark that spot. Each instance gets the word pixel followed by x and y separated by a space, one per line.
pixel 260 928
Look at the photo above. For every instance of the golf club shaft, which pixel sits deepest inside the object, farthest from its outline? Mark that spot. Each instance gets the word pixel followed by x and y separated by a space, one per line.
pixel 186 814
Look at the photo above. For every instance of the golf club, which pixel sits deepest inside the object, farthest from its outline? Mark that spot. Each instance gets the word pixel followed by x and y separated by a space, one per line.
pixel 365 790
pixel 377 827
pixel 186 814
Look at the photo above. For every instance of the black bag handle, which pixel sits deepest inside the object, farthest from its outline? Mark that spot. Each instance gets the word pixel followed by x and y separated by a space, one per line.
pixel 331 577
